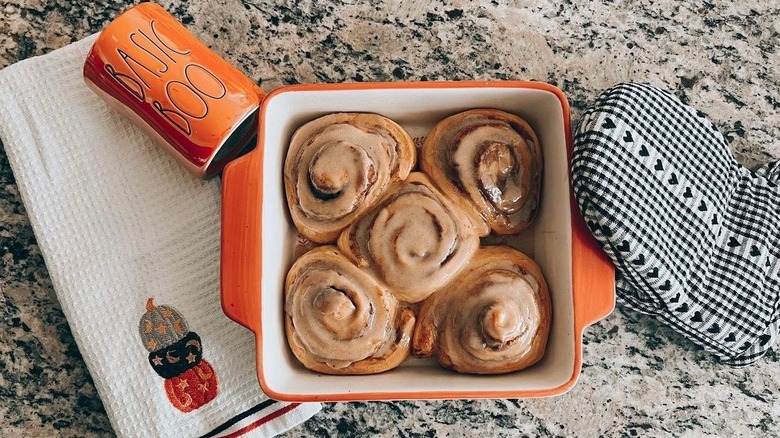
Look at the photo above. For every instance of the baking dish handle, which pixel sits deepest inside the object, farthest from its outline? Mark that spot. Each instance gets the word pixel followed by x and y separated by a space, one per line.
pixel 592 270
pixel 240 264
pixel 595 276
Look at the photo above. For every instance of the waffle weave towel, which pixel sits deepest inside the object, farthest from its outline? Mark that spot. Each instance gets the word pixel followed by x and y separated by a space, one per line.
pixel 131 242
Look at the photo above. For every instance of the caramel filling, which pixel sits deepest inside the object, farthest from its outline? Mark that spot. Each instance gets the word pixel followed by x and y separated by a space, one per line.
pixel 332 168
pixel 503 179
pixel 501 324
pixel 337 167
pixel 495 164
pixel 335 309
pixel 496 320
pixel 414 242
pixel 340 319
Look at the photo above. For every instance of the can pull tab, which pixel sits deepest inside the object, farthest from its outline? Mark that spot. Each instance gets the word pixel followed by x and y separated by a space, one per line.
pixel 192 102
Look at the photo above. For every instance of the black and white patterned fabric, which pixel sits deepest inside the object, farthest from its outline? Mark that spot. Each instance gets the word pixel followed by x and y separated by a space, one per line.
pixel 694 235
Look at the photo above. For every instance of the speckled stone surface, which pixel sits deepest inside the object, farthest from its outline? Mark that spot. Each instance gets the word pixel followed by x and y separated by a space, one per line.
pixel 639 378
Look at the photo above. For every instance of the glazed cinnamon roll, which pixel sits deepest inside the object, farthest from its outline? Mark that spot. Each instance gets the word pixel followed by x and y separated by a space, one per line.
pixel 337 166
pixel 492 159
pixel 415 240
pixel 339 320
pixel 494 318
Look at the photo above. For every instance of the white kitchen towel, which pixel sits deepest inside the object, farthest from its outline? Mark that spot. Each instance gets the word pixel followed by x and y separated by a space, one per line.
pixel 131 242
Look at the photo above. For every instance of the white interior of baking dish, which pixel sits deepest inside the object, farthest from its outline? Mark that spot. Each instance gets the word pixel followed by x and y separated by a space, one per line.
pixel 548 241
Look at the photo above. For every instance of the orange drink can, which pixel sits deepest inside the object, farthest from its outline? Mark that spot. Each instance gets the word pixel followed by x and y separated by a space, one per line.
pixel 191 101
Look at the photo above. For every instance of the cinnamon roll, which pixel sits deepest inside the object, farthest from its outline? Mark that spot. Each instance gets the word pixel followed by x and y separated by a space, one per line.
pixel 415 240
pixel 491 158
pixel 494 318
pixel 339 320
pixel 337 166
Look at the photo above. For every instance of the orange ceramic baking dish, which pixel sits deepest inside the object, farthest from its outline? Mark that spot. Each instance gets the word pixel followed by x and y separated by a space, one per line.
pixel 258 239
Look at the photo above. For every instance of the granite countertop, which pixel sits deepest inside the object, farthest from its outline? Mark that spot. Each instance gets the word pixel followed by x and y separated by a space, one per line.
pixel 639 378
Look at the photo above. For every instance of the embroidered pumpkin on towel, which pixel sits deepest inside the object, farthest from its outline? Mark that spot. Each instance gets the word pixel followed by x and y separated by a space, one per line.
pixel 192 388
pixel 176 355
pixel 173 360
pixel 161 326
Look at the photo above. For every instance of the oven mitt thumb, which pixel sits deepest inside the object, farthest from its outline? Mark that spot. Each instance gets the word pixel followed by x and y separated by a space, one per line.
pixel 693 234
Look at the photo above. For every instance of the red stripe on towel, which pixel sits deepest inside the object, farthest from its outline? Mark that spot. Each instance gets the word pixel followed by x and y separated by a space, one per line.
pixel 262 421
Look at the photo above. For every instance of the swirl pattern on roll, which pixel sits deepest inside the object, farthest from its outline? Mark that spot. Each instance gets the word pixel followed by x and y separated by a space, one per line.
pixel 338 166
pixel 415 240
pixel 492 159
pixel 339 320
pixel 494 318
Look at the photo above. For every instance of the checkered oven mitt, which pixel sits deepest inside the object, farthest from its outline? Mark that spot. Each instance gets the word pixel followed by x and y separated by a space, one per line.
pixel 693 234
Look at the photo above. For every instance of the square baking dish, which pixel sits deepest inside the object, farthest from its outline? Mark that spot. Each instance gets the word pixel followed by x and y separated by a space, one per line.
pixel 258 240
